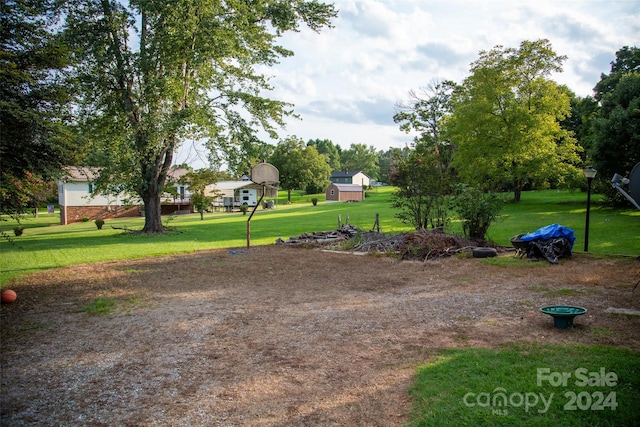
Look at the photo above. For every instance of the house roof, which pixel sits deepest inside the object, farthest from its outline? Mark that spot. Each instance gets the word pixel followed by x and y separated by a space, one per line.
pixel 88 174
pixel 348 187
pixel 80 173
pixel 346 174
pixel 177 173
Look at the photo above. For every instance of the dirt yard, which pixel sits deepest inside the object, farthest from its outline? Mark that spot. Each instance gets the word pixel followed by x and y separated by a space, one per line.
pixel 279 336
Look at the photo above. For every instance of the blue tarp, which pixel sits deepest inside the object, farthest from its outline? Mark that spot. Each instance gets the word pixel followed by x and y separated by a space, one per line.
pixel 550 232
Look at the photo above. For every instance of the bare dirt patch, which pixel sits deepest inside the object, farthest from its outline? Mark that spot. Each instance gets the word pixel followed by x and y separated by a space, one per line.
pixel 279 336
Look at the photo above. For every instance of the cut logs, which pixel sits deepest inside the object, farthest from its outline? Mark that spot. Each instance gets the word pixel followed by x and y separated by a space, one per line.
pixel 322 237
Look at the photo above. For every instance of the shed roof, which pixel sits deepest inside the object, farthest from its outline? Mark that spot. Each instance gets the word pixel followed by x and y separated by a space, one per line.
pixel 348 187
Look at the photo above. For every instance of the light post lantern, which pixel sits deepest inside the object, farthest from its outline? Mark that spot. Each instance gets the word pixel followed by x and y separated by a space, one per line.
pixel 589 173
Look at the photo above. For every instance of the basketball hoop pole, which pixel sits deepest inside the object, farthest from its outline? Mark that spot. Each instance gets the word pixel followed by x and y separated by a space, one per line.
pixel 262 174
pixel 252 212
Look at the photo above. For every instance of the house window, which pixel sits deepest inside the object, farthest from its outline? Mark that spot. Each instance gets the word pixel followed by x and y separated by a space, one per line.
pixel 182 192
pixel 333 191
pixel 91 188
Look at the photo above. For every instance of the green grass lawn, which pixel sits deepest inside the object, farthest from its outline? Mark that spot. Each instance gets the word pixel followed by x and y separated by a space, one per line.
pixel 45 244
pixel 611 231
pixel 522 385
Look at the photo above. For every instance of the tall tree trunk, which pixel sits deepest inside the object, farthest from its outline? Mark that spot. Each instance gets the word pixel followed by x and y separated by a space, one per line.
pixel 152 213
pixel 516 194
pixel 154 177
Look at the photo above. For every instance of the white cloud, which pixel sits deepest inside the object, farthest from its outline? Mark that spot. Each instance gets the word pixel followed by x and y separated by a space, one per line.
pixel 345 81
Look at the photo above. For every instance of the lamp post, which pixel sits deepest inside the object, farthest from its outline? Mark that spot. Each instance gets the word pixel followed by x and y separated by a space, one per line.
pixel 589 173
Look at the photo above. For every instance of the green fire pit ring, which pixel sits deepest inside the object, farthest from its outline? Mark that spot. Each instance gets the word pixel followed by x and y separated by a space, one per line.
pixel 563 315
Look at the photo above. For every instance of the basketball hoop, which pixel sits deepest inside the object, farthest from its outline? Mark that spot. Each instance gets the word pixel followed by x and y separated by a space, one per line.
pixel 267 175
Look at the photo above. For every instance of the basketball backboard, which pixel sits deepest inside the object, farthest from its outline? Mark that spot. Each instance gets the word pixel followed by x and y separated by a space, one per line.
pixel 265 174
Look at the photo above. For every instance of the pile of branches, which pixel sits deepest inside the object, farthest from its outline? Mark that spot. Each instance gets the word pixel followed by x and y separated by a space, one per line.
pixel 419 245
pixel 343 233
pixel 430 244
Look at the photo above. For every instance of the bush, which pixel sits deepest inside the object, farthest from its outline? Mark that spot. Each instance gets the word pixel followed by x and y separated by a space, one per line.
pixel 314 201
pixel 99 223
pixel 244 208
pixel 86 219
pixel 18 230
pixel 477 210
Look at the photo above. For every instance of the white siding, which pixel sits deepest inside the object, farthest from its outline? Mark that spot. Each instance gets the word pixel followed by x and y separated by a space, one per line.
pixel 360 179
pixel 77 194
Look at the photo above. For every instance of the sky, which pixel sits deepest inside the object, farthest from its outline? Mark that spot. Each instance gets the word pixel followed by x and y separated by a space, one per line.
pixel 346 82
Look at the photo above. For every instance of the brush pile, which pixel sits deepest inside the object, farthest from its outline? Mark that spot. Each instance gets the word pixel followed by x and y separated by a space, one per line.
pixel 418 245
pixel 343 233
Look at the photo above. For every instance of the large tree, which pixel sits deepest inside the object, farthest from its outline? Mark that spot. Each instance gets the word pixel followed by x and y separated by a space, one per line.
pixel 156 72
pixel 359 157
pixel 506 121
pixel 616 129
pixel 34 108
pixel 300 165
pixel 329 150
pixel 583 111
pixel 424 113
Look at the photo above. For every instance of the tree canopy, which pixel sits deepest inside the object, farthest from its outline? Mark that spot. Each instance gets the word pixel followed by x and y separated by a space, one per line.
pixel 425 113
pixel 360 157
pixel 329 150
pixel 154 73
pixel 616 128
pixel 506 121
pixel 35 108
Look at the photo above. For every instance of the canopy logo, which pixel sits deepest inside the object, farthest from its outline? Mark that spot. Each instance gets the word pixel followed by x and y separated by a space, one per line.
pixel 500 402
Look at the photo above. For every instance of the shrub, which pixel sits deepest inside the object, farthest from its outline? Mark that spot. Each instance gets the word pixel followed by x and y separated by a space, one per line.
pixel 422 190
pixel 18 230
pixel 244 208
pixel 314 201
pixel 99 223
pixel 477 210
pixel 86 219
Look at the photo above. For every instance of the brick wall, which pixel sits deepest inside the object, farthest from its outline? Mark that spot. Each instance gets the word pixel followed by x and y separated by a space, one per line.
pixel 76 213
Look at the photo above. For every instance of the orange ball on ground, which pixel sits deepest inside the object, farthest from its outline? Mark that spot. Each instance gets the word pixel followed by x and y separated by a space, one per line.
pixel 9 295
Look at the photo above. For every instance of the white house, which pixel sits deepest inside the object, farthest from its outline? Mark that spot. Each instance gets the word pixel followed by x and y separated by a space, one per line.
pixel 77 197
pixel 347 177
